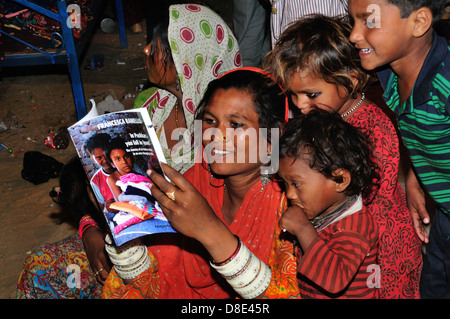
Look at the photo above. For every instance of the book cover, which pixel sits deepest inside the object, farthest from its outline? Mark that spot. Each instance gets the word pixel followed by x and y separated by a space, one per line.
pixel 129 147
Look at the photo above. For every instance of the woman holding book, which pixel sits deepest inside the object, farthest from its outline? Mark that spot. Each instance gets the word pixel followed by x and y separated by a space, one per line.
pixel 189 48
pixel 233 186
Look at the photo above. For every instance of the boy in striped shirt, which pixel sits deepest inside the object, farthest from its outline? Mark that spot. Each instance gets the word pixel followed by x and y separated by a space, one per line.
pixel 327 169
pixel 397 39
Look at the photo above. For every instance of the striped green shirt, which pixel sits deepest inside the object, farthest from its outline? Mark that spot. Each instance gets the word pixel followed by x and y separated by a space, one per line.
pixel 424 120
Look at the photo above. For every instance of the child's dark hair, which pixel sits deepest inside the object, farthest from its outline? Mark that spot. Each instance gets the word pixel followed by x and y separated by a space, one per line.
pixel 99 140
pixel 73 195
pixel 329 143
pixel 114 144
pixel 320 45
pixel 408 6
pixel 268 97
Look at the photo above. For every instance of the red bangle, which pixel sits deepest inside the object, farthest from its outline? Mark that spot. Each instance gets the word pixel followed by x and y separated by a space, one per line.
pixel 231 257
pixel 86 222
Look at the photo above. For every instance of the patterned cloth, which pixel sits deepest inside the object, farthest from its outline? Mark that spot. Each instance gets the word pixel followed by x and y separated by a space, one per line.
pixel 182 267
pixel 282 262
pixel 58 271
pixel 399 256
pixel 203 47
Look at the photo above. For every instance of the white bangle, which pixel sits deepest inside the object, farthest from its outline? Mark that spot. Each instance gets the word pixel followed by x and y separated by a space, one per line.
pixel 246 273
pixel 133 273
pixel 130 259
pixel 234 265
pixel 258 285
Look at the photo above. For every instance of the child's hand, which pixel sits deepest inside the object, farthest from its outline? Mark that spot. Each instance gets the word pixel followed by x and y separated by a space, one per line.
pixel 294 220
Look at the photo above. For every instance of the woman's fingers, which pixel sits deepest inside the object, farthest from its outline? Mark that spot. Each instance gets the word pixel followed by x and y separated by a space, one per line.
pixel 160 181
pixel 177 179
pixel 165 192
pixel 164 201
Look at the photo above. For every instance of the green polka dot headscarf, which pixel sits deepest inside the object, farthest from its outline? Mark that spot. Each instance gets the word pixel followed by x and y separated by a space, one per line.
pixel 203 47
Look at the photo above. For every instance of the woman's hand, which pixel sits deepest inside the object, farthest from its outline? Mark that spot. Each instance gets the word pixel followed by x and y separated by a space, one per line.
pixel 190 214
pixel 94 246
pixel 415 197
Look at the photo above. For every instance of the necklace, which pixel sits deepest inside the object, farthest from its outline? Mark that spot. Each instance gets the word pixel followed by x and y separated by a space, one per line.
pixel 320 222
pixel 176 115
pixel 355 107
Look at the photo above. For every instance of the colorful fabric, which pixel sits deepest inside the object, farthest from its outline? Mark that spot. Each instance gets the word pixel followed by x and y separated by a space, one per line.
pixel 137 201
pixel 100 186
pixel 282 262
pixel 203 47
pixel 145 286
pixel 340 262
pixel 58 271
pixel 400 255
pixel 184 270
pixel 424 120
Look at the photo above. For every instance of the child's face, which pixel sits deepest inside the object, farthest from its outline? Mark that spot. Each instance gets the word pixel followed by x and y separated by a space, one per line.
pixel 379 32
pixel 231 132
pixel 121 160
pixel 308 188
pixel 308 92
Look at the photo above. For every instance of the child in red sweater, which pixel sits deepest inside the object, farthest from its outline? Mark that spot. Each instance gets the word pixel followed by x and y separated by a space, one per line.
pixel 327 168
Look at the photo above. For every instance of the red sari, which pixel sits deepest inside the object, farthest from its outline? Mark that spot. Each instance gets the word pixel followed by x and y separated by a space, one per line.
pixel 181 265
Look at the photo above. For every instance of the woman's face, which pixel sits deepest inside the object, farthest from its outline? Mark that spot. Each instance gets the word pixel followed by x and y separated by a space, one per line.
pixel 157 72
pixel 231 134
pixel 121 160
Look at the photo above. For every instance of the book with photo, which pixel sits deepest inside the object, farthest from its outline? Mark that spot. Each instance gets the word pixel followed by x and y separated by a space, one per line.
pixel 116 150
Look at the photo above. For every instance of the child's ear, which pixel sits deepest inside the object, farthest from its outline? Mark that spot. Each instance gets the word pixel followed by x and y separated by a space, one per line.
pixel 422 20
pixel 345 178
